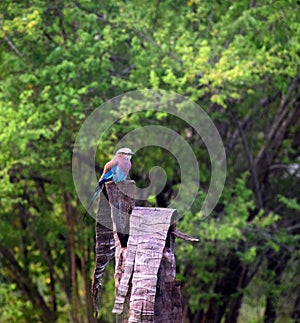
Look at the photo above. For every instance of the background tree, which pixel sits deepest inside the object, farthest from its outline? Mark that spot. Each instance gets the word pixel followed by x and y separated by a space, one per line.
pixel 239 61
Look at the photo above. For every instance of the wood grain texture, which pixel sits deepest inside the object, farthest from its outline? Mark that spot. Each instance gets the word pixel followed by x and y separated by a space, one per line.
pixel 142 240
pixel 148 233
pixel 121 199
pixel 105 248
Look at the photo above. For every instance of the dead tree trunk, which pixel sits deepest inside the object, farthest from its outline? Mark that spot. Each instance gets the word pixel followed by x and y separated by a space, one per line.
pixel 146 288
pixel 151 283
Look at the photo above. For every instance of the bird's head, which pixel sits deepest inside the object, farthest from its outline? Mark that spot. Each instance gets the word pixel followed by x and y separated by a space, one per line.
pixel 126 152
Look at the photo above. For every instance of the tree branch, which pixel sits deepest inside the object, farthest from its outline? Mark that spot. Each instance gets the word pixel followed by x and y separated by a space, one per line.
pixel 12 45
pixel 183 236
pixel 279 124
pixel 250 161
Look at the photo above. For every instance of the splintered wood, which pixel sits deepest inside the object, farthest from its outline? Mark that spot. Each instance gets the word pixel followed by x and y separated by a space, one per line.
pixel 147 238
pixel 121 199
pixel 168 306
pixel 142 241
pixel 105 248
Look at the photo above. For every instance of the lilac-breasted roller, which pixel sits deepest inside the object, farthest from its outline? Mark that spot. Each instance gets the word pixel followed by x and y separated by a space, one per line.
pixel 115 170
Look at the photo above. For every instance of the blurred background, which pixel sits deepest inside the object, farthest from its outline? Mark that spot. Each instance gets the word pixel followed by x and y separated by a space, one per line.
pixel 239 61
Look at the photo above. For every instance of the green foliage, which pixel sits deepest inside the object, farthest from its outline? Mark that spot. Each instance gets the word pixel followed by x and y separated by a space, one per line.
pixel 291 203
pixel 13 310
pixel 60 60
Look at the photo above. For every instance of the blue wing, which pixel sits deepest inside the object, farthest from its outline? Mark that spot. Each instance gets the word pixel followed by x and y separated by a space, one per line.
pixel 107 177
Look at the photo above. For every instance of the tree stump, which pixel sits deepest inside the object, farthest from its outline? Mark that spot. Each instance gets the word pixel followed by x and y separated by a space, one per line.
pixel 145 269
pixel 152 280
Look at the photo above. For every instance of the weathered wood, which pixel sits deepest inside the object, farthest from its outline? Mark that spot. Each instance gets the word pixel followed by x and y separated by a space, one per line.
pixel 105 248
pixel 121 199
pixel 142 240
pixel 183 236
pixel 168 306
pixel 148 233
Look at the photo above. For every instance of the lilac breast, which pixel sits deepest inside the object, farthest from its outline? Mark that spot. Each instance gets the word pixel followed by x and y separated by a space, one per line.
pixel 121 170
pixel 125 165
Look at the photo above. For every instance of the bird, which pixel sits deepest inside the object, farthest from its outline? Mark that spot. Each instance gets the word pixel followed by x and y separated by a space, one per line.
pixel 115 170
